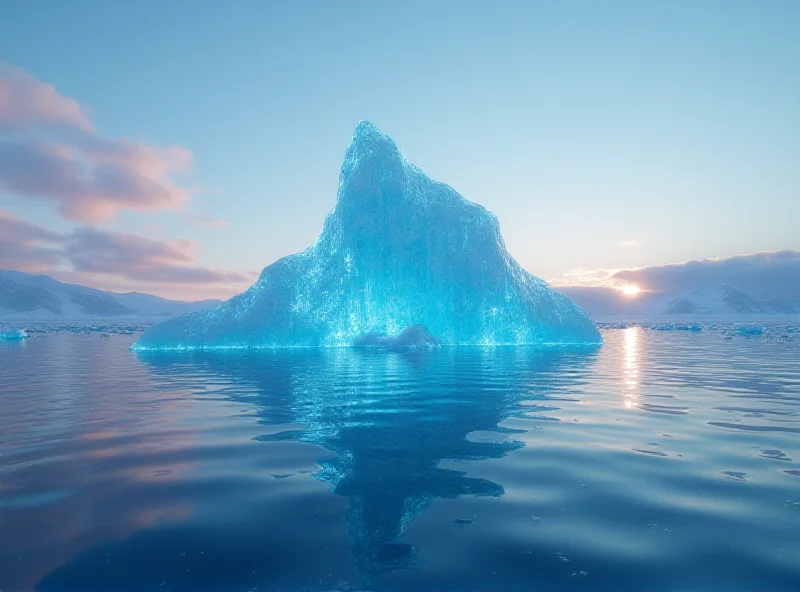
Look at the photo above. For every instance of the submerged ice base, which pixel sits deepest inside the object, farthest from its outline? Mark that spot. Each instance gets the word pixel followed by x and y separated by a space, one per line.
pixel 398 250
pixel 416 337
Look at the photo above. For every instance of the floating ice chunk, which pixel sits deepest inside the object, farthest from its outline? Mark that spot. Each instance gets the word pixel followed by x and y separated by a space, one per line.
pixel 398 250
pixel 750 329
pixel 12 334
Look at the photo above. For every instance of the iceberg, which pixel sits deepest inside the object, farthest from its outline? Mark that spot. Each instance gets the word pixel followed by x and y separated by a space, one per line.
pixel 398 250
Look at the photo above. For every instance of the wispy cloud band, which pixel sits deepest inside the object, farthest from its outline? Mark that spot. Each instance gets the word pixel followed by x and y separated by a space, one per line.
pixel 49 150
pixel 29 247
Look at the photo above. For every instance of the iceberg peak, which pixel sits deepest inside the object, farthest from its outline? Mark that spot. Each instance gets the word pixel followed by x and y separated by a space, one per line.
pixel 368 135
pixel 398 250
pixel 373 168
pixel 368 143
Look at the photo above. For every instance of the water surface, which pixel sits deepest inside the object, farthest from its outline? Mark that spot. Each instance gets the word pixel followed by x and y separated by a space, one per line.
pixel 662 461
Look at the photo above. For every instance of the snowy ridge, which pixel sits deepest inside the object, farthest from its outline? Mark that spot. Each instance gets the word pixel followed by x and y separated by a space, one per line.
pixel 36 298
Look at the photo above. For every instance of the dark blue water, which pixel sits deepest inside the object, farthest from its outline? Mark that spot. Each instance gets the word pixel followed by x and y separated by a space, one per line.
pixel 663 461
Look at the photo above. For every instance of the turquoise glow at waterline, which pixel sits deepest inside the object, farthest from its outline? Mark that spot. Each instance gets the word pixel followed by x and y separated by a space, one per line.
pixel 398 250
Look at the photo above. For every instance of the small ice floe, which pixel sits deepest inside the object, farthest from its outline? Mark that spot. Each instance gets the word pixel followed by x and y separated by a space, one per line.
pixel 576 574
pixel 749 329
pixel 12 334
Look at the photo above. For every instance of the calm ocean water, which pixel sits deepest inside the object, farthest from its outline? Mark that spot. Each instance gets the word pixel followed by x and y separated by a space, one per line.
pixel 662 461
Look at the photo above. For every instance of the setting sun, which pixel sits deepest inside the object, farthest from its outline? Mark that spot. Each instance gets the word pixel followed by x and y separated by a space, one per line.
pixel 631 290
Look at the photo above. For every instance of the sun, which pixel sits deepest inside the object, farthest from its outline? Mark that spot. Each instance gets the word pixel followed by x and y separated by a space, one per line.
pixel 631 290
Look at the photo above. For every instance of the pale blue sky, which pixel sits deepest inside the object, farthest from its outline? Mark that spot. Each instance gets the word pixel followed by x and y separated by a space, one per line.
pixel 580 124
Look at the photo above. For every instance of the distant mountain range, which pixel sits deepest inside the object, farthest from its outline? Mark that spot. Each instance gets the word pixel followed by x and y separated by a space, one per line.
pixel 41 298
pixel 30 297
pixel 709 301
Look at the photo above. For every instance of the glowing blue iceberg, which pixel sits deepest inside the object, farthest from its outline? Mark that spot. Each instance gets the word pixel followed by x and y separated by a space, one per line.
pixel 398 250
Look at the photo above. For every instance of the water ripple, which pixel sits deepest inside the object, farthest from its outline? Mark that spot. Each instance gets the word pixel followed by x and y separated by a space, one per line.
pixel 662 461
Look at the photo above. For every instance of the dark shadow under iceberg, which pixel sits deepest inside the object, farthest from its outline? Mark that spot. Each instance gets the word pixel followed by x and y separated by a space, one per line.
pixel 416 336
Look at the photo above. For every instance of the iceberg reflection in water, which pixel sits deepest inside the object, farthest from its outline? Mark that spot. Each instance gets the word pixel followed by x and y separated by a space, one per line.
pixel 391 419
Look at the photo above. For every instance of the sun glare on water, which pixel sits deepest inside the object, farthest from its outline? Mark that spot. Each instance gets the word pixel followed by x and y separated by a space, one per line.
pixel 631 290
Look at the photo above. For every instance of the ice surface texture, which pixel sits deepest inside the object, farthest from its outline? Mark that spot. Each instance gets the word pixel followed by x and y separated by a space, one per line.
pixel 397 250
pixel 416 336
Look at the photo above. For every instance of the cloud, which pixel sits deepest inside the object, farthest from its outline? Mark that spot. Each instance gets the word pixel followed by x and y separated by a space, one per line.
pixel 26 246
pixel 206 221
pixel 629 243
pixel 49 151
pixel 108 256
pixel 773 274
pixel 583 276
pixel 767 275
pixel 25 103
pixel 142 259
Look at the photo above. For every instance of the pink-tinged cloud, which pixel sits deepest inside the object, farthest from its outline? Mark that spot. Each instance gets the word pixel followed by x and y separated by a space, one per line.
pixel 142 259
pixel 49 151
pixel 149 161
pixel 27 247
pixel 89 186
pixel 27 102
pixel 206 221
pixel 111 260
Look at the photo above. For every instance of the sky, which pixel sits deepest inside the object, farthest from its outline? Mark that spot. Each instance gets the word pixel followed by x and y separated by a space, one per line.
pixel 178 148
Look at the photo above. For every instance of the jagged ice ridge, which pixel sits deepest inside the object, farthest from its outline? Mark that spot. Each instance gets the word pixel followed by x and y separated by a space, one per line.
pixel 397 250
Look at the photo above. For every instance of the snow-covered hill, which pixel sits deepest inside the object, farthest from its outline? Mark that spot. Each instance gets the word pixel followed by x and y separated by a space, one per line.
pixel 41 298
